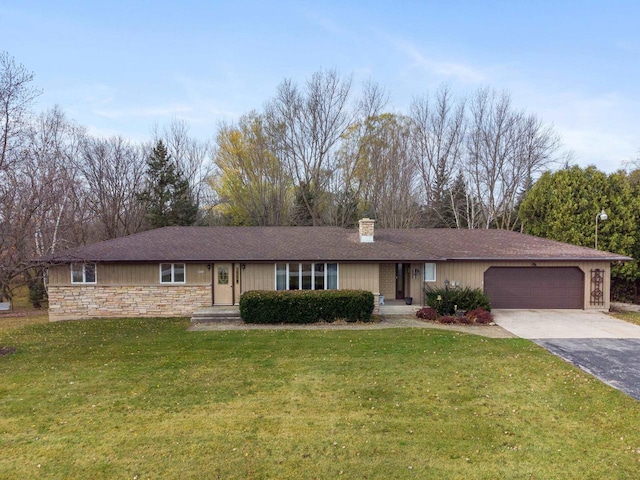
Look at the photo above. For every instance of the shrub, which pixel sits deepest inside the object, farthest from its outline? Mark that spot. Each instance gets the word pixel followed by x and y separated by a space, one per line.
pixel 448 319
pixel 305 306
pixel 479 315
pixel 37 292
pixel 427 313
pixel 445 300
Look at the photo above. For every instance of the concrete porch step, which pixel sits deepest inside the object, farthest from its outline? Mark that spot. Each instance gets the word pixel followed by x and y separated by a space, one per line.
pixel 216 313
pixel 398 308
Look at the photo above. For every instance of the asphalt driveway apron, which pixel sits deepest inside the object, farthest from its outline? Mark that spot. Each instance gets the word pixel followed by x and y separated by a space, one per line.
pixel 597 343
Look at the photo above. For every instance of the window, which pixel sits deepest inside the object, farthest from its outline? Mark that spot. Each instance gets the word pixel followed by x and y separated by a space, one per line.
pixel 294 277
pixel 318 276
pixel 307 280
pixel 306 276
pixel 172 272
pixel 429 272
pixel 83 273
pixel 281 276
pixel 332 276
pixel 223 275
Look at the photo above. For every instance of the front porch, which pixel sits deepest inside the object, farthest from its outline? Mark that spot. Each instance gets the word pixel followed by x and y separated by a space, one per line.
pixel 397 307
pixel 231 313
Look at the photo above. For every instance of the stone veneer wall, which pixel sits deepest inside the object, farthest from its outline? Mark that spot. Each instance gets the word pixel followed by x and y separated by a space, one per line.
pixel 87 301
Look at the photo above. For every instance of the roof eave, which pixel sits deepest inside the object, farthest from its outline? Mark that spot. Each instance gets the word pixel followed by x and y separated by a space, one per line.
pixel 540 259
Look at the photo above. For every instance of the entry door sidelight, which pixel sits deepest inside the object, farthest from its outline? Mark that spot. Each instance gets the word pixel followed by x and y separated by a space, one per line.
pixel 399 280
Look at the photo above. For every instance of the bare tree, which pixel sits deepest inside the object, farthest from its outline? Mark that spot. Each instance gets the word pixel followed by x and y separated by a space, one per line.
pixel 345 185
pixel 16 97
pixel 16 229
pixel 48 159
pixel 505 150
pixel 307 126
pixel 387 172
pixel 438 133
pixel 193 157
pixel 113 174
pixel 39 213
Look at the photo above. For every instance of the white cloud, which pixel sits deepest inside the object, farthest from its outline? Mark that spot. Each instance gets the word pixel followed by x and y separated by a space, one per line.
pixel 446 69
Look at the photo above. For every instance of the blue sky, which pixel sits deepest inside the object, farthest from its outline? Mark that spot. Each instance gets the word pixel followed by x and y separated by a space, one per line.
pixel 123 67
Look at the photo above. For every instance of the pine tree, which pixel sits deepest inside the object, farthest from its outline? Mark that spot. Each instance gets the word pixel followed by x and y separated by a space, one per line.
pixel 184 210
pixel 168 194
pixel 303 205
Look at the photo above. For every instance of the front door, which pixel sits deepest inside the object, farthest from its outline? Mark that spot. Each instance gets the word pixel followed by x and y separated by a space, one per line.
pixel 223 284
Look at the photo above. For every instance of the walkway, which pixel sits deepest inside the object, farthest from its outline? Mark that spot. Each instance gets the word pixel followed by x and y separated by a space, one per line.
pixel 391 321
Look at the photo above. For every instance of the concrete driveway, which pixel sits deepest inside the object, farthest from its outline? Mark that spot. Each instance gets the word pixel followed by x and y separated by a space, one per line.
pixel 597 343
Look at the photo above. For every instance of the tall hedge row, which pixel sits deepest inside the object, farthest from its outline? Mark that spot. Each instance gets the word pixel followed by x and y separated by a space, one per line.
pixel 306 306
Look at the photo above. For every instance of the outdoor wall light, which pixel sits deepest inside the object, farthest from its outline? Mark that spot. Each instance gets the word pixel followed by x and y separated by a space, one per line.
pixel 601 216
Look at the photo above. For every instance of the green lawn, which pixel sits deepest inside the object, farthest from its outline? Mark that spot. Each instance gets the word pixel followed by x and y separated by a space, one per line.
pixel 147 399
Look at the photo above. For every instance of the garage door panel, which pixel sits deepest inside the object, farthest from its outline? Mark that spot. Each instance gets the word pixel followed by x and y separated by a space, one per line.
pixel 535 287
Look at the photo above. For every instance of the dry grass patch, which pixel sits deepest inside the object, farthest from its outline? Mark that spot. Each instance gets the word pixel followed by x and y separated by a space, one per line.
pixel 10 321
pixel 146 399
pixel 631 317
pixel 22 313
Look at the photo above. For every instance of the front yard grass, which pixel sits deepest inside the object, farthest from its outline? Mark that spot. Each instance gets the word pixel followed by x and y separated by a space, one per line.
pixel 631 317
pixel 144 399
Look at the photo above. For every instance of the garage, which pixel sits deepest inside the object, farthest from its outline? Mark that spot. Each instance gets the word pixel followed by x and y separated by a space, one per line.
pixel 535 287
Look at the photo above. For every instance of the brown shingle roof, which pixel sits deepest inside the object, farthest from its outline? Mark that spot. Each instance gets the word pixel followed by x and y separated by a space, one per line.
pixel 246 244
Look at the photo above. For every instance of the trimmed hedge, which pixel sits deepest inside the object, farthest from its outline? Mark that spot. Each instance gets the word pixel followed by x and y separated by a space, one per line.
pixel 445 301
pixel 305 306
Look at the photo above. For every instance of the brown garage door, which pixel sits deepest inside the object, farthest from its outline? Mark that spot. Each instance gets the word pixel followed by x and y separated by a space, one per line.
pixel 535 287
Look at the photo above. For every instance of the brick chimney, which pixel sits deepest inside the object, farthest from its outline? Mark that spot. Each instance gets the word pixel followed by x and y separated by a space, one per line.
pixel 366 230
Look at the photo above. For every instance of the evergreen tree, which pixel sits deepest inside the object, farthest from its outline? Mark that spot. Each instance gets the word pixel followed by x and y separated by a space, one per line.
pixel 184 210
pixel 563 206
pixel 303 205
pixel 168 196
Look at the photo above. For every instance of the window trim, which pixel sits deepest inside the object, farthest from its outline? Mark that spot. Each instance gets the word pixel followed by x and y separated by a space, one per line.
pixel 313 276
pixel 84 273
pixel 435 275
pixel 173 273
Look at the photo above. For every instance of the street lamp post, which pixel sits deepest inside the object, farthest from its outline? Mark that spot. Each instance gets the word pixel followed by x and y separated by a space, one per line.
pixel 601 216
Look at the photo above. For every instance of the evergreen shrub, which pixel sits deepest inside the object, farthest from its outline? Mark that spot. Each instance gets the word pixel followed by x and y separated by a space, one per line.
pixel 447 301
